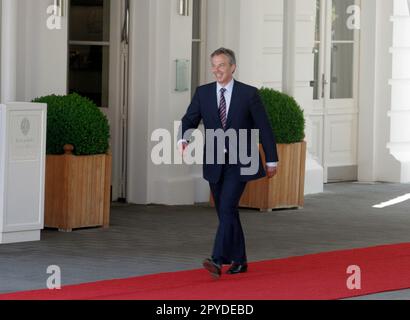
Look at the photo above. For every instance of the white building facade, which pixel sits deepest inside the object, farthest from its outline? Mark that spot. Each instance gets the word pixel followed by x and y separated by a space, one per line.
pixel 347 63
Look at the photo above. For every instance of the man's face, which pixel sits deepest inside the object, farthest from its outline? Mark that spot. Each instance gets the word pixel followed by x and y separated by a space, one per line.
pixel 222 69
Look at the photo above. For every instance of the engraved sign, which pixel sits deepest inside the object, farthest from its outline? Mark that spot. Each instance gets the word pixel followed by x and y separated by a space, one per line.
pixel 25 136
pixel 25 126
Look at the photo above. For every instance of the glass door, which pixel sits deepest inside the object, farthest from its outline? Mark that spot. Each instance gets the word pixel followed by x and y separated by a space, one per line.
pixel 89 47
pixel 335 85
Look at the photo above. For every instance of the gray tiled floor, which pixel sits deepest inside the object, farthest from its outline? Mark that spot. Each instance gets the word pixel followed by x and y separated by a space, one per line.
pixel 151 239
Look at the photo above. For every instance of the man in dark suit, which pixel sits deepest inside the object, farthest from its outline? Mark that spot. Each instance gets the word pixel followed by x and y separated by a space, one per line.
pixel 230 106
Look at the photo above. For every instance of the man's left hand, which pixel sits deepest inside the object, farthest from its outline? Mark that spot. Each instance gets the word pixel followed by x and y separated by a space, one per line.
pixel 271 171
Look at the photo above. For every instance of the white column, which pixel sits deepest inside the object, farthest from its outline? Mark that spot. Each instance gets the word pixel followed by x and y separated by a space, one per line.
pixel 367 88
pixel 289 47
pixel 140 48
pixel 298 72
pixel 399 113
pixel 375 163
pixel 9 24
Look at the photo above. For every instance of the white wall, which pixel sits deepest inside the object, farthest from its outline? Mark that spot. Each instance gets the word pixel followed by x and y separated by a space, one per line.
pixel 42 53
pixel 34 58
pixel 159 37
pixel 8 50
pixel 222 19
pixel 375 161
pixel 253 29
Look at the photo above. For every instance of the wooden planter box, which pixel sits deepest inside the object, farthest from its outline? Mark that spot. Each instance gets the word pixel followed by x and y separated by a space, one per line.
pixel 77 191
pixel 286 189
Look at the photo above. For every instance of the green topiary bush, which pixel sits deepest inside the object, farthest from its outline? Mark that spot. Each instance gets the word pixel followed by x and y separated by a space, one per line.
pixel 285 115
pixel 73 119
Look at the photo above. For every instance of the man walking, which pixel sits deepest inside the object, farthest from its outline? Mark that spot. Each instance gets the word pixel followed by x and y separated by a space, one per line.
pixel 228 105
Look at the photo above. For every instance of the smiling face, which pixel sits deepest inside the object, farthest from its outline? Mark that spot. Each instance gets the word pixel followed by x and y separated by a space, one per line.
pixel 222 69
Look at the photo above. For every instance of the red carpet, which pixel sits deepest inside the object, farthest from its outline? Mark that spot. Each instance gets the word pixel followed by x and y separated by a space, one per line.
pixel 318 276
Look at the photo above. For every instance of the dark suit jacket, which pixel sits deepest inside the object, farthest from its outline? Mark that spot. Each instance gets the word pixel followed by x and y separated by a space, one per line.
pixel 247 112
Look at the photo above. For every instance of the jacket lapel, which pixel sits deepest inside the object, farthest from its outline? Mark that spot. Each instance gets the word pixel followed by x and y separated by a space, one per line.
pixel 233 105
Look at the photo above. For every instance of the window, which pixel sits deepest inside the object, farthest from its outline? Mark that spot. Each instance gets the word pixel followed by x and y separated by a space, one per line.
pixel 89 42
pixel 342 56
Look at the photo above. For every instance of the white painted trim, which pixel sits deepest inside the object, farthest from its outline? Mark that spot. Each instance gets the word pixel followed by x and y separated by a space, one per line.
pixel 304 50
pixel 305 17
pixel 302 84
pixel 394 82
pixel 403 145
pixel 316 113
pixel 273 18
pixel 399 50
pixel 400 19
pixel 272 50
pixel 398 113
pixel 289 47
pixel 21 236
pixel 272 84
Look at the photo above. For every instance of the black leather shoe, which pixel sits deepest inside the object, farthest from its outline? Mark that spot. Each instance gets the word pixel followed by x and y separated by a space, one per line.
pixel 213 268
pixel 238 268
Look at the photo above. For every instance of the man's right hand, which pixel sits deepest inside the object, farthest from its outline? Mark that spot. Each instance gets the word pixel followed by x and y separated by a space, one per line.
pixel 271 171
pixel 182 145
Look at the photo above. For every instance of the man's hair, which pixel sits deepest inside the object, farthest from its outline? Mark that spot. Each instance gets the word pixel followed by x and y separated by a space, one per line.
pixel 228 52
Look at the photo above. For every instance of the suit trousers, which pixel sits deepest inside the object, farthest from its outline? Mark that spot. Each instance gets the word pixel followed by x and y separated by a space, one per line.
pixel 229 243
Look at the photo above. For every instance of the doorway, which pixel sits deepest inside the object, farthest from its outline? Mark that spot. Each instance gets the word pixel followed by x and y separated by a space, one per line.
pixel 335 86
pixel 98 69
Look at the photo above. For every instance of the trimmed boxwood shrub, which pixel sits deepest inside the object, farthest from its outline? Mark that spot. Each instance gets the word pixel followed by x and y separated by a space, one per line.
pixel 285 115
pixel 73 119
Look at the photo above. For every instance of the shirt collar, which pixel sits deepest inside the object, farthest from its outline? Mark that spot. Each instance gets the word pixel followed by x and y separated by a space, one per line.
pixel 228 87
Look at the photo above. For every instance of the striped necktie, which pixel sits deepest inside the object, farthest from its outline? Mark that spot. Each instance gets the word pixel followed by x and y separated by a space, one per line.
pixel 222 108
